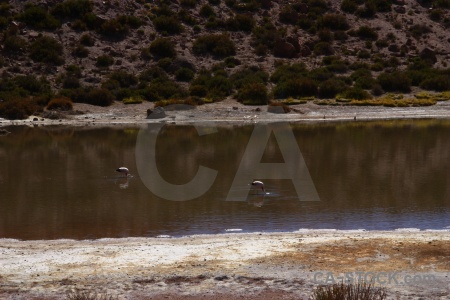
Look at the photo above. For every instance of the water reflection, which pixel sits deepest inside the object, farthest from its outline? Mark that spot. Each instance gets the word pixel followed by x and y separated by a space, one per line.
pixel 61 182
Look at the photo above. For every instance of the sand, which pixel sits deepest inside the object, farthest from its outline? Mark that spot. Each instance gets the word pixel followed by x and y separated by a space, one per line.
pixel 246 265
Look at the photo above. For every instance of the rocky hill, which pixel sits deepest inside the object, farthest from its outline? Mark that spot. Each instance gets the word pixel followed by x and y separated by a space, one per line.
pixel 100 51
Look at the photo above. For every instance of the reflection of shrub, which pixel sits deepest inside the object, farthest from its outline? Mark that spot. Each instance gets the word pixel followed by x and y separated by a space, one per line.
pixel 60 103
pixel 46 49
pixel 162 47
pixel 38 18
pixel 253 94
pixel 219 45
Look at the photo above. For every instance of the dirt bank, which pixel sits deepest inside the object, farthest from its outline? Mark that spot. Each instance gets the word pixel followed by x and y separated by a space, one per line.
pixel 231 111
pixel 248 266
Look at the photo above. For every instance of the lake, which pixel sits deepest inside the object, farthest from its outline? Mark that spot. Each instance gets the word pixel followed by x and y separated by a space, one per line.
pixel 60 182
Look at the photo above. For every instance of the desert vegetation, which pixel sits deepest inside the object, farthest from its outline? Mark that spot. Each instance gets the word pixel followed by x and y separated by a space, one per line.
pixel 253 51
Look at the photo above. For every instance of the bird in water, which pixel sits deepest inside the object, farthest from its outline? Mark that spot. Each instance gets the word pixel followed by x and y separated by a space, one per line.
pixel 258 184
pixel 123 170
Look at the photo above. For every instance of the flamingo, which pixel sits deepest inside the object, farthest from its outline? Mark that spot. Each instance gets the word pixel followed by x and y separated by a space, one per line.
pixel 123 170
pixel 258 184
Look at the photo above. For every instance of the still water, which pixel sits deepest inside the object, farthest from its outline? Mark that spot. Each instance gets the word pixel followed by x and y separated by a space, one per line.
pixel 60 182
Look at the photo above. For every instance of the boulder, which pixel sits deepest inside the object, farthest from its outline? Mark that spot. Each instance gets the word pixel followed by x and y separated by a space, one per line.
pixel 428 55
pixel 157 113
pixel 284 49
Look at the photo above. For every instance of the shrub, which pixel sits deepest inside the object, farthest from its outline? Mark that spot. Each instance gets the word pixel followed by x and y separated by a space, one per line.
pixel 288 15
pixel 355 93
pixel 18 109
pixel 436 83
pixel 287 72
pixel 395 82
pixel 333 22
pixel 184 74
pixel 99 97
pixel 60 103
pixel 72 9
pixel 323 48
pixel 47 50
pixel 298 87
pixel 349 291
pixel 132 100
pixel 80 51
pixel 152 74
pixel 87 40
pixel 189 3
pixel 240 22
pixel 30 85
pixel 218 45
pixel 207 11
pixel 124 78
pixel 365 32
pixel 214 2
pixel 71 82
pixel 349 6
pixel 253 94
pixel 249 75
pixel 331 87
pixel 161 89
pixel 104 61
pixel 163 47
pixel 215 86
pixel 38 18
pixel 418 30
pixel 114 29
pixel 167 25
pixel 14 43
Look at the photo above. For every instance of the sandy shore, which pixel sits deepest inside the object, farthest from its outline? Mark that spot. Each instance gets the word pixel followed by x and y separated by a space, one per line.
pixel 232 112
pixel 234 266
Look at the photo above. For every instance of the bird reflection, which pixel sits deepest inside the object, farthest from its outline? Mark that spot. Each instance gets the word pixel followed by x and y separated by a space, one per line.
pixel 123 183
pixel 256 200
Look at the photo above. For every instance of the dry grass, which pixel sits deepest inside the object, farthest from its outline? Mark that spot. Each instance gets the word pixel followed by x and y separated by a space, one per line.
pixel 86 295
pixel 342 291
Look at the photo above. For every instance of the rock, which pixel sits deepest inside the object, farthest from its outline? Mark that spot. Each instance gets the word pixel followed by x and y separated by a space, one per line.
pixel 284 49
pixel 294 41
pixel 428 55
pixel 276 109
pixel 157 113
pixel 400 9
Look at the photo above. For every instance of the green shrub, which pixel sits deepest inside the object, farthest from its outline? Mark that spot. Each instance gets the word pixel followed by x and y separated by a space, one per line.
pixel 253 94
pixel 366 32
pixel 323 48
pixel 436 83
pixel 163 47
pixel 343 291
pixel 248 75
pixel 218 45
pixel 71 82
pixel 189 3
pixel 333 22
pixel 161 89
pixel 231 62
pixel 214 2
pixel 297 87
pixel 124 78
pixel 184 74
pixel 287 72
pixel 14 43
pixel 349 6
pixel 39 18
pixel 288 15
pixel 87 40
pixel 167 25
pixel 80 51
pixel 47 50
pixel 418 30
pixel 331 87
pixel 32 85
pixel 214 86
pixel 355 93
pixel 114 28
pixel 99 97
pixel 152 73
pixel 72 9
pixel 207 11
pixel 240 22
pixel 395 82
pixel 441 4
pixel 104 61
pixel 60 103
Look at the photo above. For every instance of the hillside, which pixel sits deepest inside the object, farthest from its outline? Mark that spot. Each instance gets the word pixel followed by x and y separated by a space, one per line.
pixel 103 51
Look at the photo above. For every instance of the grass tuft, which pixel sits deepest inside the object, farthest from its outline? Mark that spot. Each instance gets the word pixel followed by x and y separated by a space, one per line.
pixel 342 291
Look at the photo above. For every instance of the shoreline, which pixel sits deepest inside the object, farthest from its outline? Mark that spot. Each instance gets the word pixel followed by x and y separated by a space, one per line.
pixel 256 265
pixel 230 112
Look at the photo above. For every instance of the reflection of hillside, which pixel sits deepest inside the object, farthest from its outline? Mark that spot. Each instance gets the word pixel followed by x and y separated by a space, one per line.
pixel 61 182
